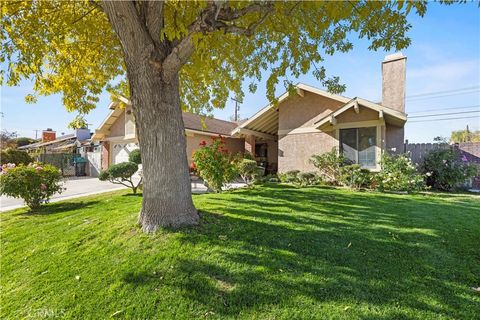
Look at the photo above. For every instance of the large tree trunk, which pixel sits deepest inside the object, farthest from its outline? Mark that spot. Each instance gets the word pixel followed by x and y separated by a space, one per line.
pixel 167 199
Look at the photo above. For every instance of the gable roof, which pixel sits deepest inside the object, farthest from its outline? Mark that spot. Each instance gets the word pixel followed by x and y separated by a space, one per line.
pixel 196 122
pixel 42 144
pixel 390 115
pixel 265 121
pixel 192 122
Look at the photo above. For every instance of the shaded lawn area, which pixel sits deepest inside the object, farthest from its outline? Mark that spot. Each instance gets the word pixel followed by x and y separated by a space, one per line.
pixel 272 252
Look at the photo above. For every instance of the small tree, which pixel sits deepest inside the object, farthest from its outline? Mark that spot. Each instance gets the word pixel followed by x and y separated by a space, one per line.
pixel 247 169
pixel 121 173
pixel 329 165
pixel 214 164
pixel 15 156
pixel 23 141
pixel 35 183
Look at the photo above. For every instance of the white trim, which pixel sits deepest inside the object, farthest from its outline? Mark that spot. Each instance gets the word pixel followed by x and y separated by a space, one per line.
pixel 359 124
pixel 205 133
pixel 300 87
pixel 298 131
pixel 262 135
pixel 120 139
pixel 382 111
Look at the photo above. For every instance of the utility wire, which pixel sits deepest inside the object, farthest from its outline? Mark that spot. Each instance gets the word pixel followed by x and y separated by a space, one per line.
pixel 441 96
pixel 449 108
pixel 442 92
pixel 444 114
pixel 443 119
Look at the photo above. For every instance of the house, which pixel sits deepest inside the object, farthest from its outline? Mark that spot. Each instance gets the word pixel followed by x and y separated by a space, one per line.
pixel 66 152
pixel 284 136
pixel 118 137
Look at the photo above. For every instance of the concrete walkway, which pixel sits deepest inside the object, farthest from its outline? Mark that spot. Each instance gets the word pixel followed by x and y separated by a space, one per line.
pixel 85 186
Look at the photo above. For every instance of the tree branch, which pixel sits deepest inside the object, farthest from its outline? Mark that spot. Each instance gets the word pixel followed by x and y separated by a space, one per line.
pixel 211 18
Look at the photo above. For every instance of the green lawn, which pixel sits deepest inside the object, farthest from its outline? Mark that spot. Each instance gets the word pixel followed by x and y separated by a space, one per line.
pixel 272 252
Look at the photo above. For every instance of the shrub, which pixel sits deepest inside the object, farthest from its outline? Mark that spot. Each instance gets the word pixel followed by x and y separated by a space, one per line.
pixel 121 173
pixel 34 183
pixel 329 165
pixel 214 164
pixel 356 177
pixel 445 169
pixel 273 178
pixel 15 156
pixel 247 169
pixel 399 174
pixel 289 176
pixel 306 178
pixel 135 157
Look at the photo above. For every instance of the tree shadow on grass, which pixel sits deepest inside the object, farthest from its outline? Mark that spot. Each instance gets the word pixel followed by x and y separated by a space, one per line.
pixel 60 207
pixel 289 247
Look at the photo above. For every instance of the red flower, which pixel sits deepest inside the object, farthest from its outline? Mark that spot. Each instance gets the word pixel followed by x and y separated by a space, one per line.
pixel 203 143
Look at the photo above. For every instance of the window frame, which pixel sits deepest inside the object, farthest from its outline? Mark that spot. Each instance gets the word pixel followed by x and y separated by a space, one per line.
pixel 379 124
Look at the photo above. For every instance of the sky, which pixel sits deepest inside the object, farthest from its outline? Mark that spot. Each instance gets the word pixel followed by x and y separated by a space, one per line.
pixel 443 59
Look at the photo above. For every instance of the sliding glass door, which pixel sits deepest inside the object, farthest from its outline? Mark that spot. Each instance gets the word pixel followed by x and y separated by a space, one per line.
pixel 359 145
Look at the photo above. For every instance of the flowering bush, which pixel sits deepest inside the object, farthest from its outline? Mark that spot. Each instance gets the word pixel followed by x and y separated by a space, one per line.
pixel 399 174
pixel 34 183
pixel 214 164
pixel 446 170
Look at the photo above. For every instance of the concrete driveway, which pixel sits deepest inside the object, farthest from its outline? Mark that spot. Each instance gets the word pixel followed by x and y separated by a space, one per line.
pixel 84 186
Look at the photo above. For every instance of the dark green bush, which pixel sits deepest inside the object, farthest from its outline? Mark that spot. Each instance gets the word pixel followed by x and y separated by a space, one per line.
pixel 446 171
pixel 121 173
pixel 307 178
pixel 290 176
pixel 135 157
pixel 15 156
pixel 355 177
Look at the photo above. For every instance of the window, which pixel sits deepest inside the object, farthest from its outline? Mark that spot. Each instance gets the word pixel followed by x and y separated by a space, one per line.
pixel 359 145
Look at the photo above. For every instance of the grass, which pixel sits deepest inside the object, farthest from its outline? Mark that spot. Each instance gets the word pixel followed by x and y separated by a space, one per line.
pixel 272 252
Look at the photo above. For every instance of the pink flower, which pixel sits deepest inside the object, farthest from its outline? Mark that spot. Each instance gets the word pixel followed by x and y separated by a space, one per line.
pixel 38 168
pixel 43 186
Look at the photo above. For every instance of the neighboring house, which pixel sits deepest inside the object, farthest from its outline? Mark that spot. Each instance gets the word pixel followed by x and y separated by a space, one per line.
pixel 65 151
pixel 285 135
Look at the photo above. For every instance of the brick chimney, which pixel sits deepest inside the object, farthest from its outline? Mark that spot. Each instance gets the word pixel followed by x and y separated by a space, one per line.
pixel 393 81
pixel 48 135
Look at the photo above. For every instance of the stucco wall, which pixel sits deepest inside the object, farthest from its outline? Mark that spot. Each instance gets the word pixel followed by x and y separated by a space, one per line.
pixel 302 112
pixel 395 137
pixel 393 82
pixel 231 144
pixel 118 127
pixel 295 150
pixel 364 114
